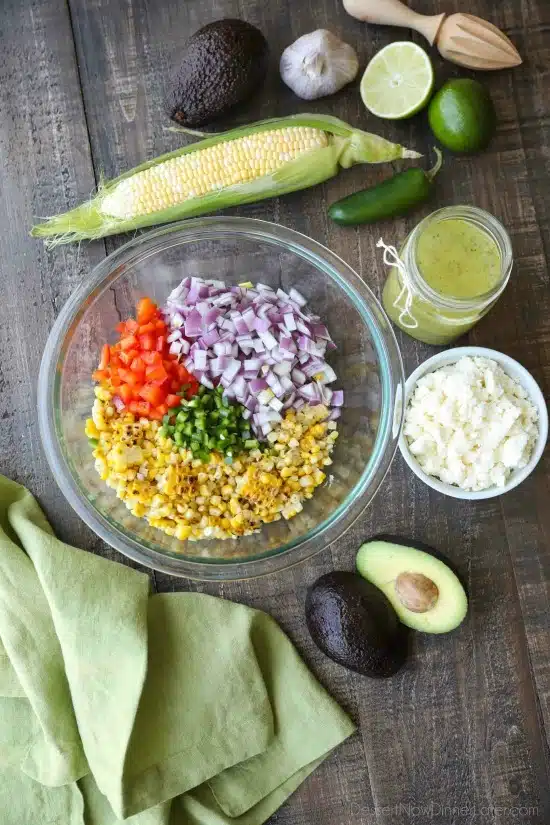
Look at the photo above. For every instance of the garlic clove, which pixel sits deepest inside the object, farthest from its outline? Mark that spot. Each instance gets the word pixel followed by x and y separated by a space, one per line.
pixel 318 64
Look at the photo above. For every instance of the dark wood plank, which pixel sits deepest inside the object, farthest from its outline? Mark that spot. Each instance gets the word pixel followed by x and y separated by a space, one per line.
pixel 462 735
pixel 45 168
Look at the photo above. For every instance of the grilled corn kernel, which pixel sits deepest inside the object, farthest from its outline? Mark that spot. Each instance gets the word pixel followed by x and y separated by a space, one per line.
pixel 190 500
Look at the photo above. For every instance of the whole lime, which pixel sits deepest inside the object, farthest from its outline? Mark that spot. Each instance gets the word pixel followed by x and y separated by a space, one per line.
pixel 462 115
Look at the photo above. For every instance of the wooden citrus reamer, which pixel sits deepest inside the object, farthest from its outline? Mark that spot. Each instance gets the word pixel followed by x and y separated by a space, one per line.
pixel 460 38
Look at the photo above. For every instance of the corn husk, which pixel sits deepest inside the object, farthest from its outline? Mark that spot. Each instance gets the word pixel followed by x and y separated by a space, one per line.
pixel 346 147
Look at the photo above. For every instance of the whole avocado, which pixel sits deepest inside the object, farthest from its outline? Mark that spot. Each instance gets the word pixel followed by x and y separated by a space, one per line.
pixel 355 625
pixel 224 63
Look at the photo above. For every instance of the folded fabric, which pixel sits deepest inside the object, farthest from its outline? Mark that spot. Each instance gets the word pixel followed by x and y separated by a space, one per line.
pixel 156 710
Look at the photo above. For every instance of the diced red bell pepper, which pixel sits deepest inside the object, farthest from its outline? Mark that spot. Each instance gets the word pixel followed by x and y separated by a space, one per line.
pixel 141 368
pixel 129 377
pixel 129 342
pixel 150 358
pixel 147 341
pixel 100 375
pixel 156 414
pixel 105 356
pixel 156 372
pixel 173 400
pixel 146 311
pixel 152 394
pixel 126 392
pixel 141 408
pixel 138 365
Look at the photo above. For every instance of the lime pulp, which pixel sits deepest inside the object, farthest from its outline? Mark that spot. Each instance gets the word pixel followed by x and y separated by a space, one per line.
pixel 398 81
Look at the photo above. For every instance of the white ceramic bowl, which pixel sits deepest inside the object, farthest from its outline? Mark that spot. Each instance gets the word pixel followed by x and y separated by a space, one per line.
pixel 514 370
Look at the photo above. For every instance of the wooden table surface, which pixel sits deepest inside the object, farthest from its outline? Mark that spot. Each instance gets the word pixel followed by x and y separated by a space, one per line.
pixel 461 735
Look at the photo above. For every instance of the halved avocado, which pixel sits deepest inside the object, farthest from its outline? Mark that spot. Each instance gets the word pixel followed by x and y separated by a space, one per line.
pixel 354 624
pixel 425 593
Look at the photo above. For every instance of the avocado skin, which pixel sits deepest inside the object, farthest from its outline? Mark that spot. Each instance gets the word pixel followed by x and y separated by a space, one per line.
pixel 223 65
pixel 426 548
pixel 355 625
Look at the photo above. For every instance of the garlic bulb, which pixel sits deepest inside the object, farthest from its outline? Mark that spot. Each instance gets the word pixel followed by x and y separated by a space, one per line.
pixel 318 64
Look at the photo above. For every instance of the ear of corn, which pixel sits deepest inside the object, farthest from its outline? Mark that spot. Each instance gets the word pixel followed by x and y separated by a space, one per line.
pixel 264 160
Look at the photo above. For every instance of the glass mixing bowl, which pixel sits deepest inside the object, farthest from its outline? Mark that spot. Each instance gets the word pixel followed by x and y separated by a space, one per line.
pixel 367 362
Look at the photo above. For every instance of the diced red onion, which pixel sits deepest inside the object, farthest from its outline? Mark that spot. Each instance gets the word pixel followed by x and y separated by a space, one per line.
pixel 249 317
pixel 326 394
pixel 222 348
pixel 211 316
pixel 261 345
pixel 313 368
pixel 286 342
pixel 252 364
pixel 228 324
pixel 310 392
pixel 262 324
pixel 298 376
pixel 211 337
pixel 297 297
pixel 199 359
pixel 289 401
pixel 257 385
pixel 290 322
pixel 241 326
pixel 265 396
pixel 320 331
pixel 193 324
pixel 269 341
pixel 218 365
pixel 231 370
pixel 282 368
pixel 286 383
pixel 329 374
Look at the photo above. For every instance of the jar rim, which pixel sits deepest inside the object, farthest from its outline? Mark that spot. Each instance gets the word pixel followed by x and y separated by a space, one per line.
pixel 485 221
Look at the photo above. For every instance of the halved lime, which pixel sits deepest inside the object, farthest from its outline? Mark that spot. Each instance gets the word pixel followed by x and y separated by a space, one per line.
pixel 398 81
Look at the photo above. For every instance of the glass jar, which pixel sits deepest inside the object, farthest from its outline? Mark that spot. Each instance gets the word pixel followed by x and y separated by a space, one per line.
pixel 426 313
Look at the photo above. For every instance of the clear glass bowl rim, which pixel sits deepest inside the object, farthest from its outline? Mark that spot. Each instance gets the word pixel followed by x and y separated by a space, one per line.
pixel 391 419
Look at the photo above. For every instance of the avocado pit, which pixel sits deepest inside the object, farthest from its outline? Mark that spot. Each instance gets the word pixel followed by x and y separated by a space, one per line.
pixel 416 592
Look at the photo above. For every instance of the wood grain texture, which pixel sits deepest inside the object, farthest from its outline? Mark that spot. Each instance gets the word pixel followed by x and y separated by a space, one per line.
pixel 461 736
pixel 45 166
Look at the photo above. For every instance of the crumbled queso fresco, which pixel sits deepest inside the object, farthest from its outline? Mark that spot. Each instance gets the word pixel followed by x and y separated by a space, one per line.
pixel 471 424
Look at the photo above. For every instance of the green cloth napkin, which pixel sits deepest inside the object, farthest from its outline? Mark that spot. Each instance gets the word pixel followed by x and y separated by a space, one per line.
pixel 157 710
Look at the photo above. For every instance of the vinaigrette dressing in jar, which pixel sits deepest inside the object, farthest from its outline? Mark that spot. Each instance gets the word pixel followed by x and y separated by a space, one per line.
pixel 450 271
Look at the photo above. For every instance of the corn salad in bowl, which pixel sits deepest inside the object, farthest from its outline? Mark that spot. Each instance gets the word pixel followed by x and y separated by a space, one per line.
pixel 263 422
pixel 215 447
